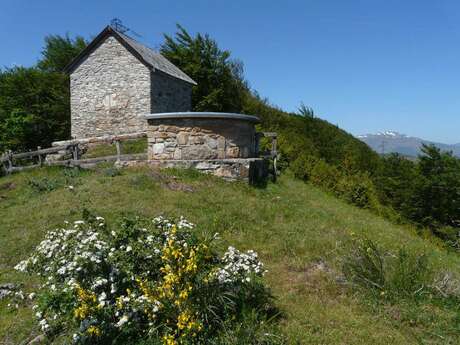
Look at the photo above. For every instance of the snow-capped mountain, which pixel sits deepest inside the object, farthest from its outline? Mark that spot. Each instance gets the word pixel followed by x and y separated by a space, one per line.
pixel 391 141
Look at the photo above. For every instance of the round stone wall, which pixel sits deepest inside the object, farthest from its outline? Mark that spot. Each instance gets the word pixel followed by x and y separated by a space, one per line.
pixel 200 136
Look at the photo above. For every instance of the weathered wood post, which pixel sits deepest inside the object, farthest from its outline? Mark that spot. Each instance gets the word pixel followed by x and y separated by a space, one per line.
pixel 75 152
pixel 39 156
pixel 117 145
pixel 274 154
pixel 9 161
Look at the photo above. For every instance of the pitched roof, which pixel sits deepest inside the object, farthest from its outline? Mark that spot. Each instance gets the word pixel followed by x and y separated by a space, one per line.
pixel 146 55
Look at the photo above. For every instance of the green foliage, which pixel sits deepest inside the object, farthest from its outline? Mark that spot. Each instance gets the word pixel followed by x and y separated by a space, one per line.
pixel 401 275
pixel 405 286
pixel 291 224
pixel 426 192
pixel 34 108
pixel 356 188
pixel 220 79
pixel 112 172
pixel 59 52
pixel 34 102
pixel 306 111
pixel 437 193
pixel 396 182
pixel 146 280
pixel 68 177
pixel 365 265
pixel 41 185
pixel 410 276
pixel 34 111
pixel 301 135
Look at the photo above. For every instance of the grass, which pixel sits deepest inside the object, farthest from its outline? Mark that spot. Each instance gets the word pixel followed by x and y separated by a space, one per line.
pixel 127 147
pixel 301 234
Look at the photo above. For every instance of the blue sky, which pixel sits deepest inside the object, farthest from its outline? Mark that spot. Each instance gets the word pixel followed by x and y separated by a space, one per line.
pixel 366 65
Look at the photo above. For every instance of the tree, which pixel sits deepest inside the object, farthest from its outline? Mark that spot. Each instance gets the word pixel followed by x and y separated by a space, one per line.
pixel 34 102
pixel 306 111
pixel 437 196
pixel 221 86
pixel 34 108
pixel 396 181
pixel 59 51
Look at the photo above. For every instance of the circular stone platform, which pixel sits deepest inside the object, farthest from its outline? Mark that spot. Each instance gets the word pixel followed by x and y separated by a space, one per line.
pixel 201 136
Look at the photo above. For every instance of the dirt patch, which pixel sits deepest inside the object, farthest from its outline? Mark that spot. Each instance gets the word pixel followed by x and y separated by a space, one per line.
pixel 179 186
pixel 171 182
pixel 315 277
pixel 7 186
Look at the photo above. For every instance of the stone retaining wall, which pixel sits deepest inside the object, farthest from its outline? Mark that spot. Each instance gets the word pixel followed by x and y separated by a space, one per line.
pixel 229 169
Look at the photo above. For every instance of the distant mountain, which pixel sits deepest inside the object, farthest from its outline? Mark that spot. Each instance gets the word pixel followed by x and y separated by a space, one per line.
pixel 391 141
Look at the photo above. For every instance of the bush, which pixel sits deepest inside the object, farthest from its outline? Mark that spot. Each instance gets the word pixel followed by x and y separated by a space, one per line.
pixel 357 189
pixel 324 175
pixel 112 171
pixel 43 185
pixel 401 275
pixel 365 265
pixel 145 281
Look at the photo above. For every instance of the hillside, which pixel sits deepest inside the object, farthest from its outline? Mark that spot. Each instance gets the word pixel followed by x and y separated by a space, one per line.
pixel 301 234
pixel 390 141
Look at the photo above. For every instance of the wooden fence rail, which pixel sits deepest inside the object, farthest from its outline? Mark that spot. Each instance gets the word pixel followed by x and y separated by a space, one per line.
pixel 72 147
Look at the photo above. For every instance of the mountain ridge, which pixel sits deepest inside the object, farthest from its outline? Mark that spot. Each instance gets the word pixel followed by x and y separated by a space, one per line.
pixel 394 142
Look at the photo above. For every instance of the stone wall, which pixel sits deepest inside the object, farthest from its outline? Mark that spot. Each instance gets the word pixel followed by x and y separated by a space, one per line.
pixel 110 92
pixel 170 94
pixel 200 139
pixel 248 169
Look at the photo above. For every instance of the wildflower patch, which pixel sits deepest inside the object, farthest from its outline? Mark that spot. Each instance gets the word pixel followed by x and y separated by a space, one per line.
pixel 144 280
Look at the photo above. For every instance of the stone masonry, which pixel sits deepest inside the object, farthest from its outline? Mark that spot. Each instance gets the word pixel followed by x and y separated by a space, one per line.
pixel 117 81
pixel 169 94
pixel 200 139
pixel 110 92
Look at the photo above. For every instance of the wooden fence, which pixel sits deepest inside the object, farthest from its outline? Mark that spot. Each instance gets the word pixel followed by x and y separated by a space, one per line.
pixel 73 148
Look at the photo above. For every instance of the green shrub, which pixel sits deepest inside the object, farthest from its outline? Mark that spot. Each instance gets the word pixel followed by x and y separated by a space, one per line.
pixel 365 265
pixel 144 281
pixel 43 184
pixel 410 275
pixel 357 189
pixel 112 171
pixel 450 235
pixel 324 175
pixel 302 166
pixel 401 275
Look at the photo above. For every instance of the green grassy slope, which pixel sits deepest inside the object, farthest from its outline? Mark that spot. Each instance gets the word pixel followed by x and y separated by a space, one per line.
pixel 292 225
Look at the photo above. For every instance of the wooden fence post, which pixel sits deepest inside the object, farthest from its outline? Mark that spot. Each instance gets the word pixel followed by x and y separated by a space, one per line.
pixel 75 152
pixel 274 154
pixel 39 156
pixel 9 157
pixel 117 145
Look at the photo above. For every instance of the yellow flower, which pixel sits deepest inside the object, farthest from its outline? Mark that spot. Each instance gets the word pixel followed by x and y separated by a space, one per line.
pixel 183 294
pixel 169 340
pixel 81 312
pixel 93 330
